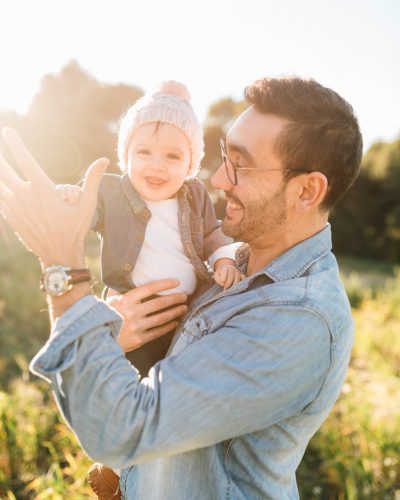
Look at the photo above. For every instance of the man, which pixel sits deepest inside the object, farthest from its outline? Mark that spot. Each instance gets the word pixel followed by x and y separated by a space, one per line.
pixel 252 371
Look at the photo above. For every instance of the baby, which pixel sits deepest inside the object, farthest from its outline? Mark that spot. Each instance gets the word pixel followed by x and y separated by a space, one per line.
pixel 157 220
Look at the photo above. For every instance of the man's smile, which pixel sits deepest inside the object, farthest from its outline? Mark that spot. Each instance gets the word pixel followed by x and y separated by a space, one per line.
pixel 233 207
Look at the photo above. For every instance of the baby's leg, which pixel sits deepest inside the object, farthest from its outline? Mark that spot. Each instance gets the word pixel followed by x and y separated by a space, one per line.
pixel 146 356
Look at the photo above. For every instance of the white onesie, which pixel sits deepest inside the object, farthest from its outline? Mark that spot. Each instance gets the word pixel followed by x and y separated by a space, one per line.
pixel 162 254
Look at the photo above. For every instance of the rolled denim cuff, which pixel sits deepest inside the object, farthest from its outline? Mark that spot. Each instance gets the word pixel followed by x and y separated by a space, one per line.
pixel 59 352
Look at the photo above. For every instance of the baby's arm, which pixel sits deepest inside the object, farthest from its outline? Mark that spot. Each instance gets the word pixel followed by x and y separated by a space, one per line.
pixel 226 273
pixel 69 192
pixel 218 247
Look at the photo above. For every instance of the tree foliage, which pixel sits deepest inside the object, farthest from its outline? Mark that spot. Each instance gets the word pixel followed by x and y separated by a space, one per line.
pixel 73 120
pixel 367 221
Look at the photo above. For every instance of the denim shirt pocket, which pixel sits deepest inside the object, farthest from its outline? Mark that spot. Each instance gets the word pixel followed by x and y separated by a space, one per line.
pixel 197 234
pixel 193 331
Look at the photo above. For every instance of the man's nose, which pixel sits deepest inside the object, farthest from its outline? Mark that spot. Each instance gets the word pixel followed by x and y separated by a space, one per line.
pixel 220 180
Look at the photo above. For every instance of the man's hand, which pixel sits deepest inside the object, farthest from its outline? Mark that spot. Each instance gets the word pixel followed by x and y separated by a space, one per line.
pixel 49 227
pixel 138 327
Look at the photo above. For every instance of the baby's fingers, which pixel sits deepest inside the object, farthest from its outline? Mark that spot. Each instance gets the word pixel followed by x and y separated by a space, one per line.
pixel 69 192
pixel 220 276
pixel 230 276
pixel 239 276
pixel 234 276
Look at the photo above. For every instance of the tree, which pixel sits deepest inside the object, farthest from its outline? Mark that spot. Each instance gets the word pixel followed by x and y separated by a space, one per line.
pixel 367 221
pixel 73 120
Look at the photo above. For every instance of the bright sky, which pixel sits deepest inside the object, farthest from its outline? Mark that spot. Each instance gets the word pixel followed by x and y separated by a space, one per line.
pixel 216 47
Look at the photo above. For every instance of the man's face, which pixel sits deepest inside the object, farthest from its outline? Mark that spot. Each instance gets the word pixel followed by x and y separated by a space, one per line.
pixel 256 206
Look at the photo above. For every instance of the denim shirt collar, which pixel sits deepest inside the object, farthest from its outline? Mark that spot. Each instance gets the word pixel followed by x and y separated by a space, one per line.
pixel 296 260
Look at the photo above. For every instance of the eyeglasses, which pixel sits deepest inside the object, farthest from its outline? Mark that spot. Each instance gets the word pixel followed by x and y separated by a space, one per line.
pixel 231 169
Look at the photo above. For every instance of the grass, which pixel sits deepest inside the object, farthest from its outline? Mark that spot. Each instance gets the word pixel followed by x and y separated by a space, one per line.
pixel 355 455
pixel 357 450
pixel 39 456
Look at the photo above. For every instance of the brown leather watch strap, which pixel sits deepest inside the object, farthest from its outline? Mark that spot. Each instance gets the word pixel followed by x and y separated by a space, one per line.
pixel 79 275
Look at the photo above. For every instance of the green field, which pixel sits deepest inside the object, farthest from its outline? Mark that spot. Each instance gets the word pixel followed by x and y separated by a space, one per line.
pixel 355 455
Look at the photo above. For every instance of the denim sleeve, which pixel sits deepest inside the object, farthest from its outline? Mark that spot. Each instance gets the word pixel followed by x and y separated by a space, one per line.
pixel 259 368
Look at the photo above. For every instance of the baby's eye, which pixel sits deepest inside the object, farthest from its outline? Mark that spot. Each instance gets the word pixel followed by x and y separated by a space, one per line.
pixel 173 156
pixel 143 151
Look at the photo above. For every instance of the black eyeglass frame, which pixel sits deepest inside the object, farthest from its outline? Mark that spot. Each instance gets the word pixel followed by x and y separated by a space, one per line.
pixel 234 180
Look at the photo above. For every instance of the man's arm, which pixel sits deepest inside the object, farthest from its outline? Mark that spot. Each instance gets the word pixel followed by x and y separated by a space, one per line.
pixel 255 378
pixel 244 377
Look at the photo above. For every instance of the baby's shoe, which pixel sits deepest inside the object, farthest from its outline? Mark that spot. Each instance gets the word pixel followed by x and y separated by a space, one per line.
pixel 104 482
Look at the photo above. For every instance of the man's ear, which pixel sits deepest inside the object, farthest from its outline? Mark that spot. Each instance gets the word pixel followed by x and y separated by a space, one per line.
pixel 311 191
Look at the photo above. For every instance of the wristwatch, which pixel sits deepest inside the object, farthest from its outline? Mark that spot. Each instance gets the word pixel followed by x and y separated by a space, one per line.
pixel 57 280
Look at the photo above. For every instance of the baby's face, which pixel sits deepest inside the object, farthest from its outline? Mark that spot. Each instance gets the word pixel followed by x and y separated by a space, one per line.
pixel 158 160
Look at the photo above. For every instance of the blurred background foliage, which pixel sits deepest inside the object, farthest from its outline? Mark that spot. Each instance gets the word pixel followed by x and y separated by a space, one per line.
pixel 72 121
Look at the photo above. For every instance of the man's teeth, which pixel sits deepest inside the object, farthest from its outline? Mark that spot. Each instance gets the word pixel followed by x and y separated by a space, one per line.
pixel 233 206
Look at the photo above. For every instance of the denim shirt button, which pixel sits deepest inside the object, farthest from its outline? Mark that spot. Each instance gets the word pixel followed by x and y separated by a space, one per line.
pixel 140 237
pixel 128 267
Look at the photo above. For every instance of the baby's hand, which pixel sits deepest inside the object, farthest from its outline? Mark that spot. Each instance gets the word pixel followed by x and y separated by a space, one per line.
pixel 227 275
pixel 69 192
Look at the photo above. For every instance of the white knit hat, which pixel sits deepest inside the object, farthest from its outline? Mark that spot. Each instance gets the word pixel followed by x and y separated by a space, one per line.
pixel 170 104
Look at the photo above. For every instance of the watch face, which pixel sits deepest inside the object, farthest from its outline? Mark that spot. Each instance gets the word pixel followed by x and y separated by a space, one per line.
pixel 56 282
pixel 58 279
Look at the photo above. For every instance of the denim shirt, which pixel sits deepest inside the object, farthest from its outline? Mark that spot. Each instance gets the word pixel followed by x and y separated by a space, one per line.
pixel 252 374
pixel 121 218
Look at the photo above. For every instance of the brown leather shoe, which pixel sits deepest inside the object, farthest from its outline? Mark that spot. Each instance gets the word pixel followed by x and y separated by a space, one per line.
pixel 104 482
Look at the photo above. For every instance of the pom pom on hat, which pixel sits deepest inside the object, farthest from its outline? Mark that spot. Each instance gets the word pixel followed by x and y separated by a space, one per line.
pixel 171 87
pixel 169 104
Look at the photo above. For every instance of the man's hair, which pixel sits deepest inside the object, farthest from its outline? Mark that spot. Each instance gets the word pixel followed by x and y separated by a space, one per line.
pixel 322 135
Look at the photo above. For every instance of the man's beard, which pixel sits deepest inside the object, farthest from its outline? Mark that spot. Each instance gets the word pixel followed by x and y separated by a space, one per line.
pixel 260 217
